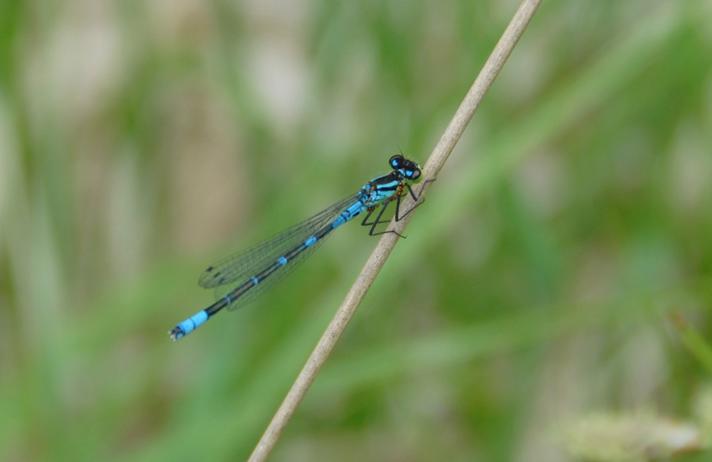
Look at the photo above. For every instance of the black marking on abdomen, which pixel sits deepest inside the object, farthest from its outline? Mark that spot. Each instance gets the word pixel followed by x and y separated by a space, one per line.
pixel 323 232
pixel 267 271
pixel 294 252
pixel 234 295
pixel 229 298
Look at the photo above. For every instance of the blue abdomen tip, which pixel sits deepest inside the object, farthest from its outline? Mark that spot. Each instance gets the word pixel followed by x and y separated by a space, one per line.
pixel 193 322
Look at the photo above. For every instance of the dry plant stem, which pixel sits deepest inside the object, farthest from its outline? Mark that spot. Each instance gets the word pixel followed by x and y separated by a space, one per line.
pixel 380 254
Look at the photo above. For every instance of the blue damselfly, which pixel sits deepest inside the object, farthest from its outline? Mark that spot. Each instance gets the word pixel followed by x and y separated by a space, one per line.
pixel 239 278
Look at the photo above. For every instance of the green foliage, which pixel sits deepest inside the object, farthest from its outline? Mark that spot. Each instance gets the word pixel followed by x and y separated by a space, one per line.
pixel 543 282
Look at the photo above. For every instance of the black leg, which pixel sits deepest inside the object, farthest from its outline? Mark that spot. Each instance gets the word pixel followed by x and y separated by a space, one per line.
pixel 412 193
pixel 369 212
pixel 416 199
pixel 422 188
pixel 378 221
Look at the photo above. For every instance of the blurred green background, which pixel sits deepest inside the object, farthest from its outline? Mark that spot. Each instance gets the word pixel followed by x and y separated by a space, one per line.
pixel 551 302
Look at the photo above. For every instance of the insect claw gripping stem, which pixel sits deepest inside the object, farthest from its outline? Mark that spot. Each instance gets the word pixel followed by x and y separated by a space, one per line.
pixel 416 199
pixel 238 278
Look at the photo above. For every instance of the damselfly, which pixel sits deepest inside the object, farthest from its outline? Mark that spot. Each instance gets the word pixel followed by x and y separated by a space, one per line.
pixel 239 278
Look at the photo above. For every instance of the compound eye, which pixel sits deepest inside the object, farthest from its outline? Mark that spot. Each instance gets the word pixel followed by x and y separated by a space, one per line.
pixel 396 161
pixel 415 174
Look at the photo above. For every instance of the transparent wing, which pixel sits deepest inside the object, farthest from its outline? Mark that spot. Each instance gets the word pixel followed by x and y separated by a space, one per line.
pixel 236 269
pixel 266 284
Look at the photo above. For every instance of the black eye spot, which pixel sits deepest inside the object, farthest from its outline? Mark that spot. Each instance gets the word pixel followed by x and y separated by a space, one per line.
pixel 396 161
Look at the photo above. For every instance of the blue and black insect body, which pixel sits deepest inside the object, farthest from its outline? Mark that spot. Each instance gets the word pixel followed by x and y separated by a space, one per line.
pixel 239 278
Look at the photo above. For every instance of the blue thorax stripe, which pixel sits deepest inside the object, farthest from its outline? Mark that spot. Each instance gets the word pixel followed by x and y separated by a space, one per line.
pixel 392 185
